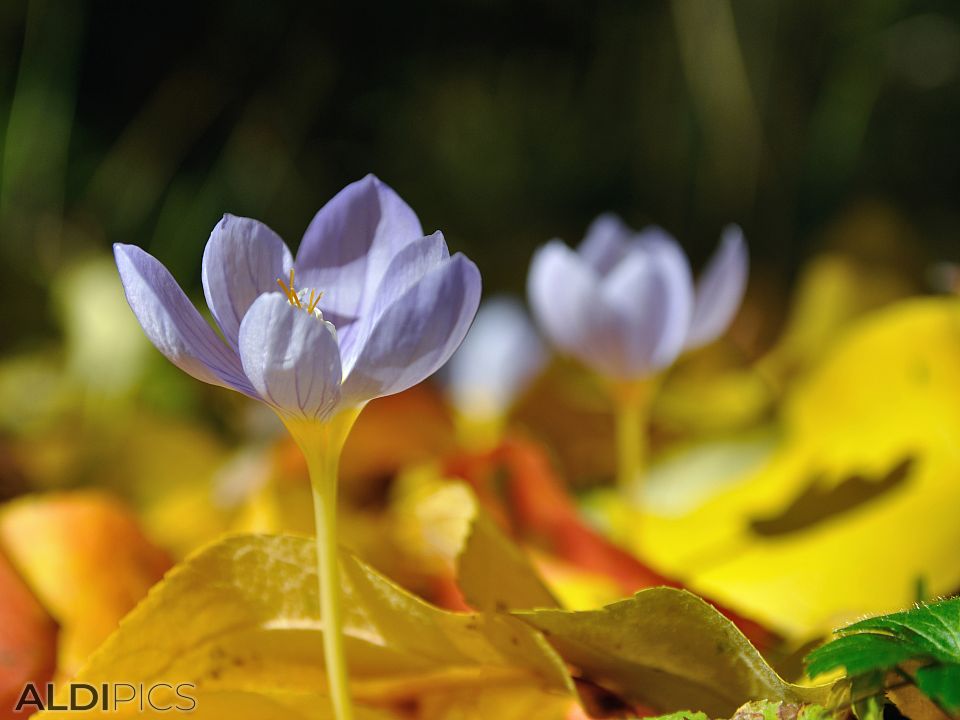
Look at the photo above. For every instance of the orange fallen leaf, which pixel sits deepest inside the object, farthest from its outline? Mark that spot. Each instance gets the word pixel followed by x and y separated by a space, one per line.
pixel 28 639
pixel 87 561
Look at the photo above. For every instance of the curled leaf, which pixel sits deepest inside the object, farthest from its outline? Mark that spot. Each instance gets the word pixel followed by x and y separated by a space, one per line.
pixel 668 649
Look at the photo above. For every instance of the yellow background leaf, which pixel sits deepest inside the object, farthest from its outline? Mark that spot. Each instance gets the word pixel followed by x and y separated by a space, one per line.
pixel 816 537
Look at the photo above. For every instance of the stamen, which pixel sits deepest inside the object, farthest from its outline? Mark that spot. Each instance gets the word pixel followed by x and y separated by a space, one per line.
pixel 314 302
pixel 293 292
pixel 299 299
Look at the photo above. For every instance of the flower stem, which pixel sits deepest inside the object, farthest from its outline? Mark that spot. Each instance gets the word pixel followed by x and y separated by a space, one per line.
pixel 322 444
pixel 632 404
pixel 325 512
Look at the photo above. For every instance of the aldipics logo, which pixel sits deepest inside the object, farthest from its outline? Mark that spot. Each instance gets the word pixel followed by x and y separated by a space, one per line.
pixel 160 697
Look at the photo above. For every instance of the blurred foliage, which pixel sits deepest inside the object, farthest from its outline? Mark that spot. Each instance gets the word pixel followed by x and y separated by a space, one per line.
pixel 502 123
pixel 826 129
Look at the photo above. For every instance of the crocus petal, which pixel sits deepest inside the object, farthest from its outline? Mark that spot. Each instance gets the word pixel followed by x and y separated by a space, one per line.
pixel 242 260
pixel 498 358
pixel 350 242
pixel 654 235
pixel 407 267
pixel 417 333
pixel 626 322
pixel 173 324
pixel 291 357
pixel 677 296
pixel 719 289
pixel 605 243
pixel 644 310
pixel 561 289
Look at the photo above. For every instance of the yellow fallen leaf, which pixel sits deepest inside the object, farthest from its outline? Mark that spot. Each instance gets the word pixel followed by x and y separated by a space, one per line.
pixel 574 587
pixel 815 538
pixel 834 291
pixel 501 703
pixel 442 521
pixel 241 617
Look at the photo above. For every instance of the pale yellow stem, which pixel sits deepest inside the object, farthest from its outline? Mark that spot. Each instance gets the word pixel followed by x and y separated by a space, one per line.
pixel 630 444
pixel 321 444
pixel 632 404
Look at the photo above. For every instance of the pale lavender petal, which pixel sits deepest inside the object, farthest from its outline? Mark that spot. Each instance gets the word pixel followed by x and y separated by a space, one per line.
pixel 643 313
pixel 501 354
pixel 350 242
pixel 627 320
pixel 655 235
pixel 242 260
pixel 417 333
pixel 561 289
pixel 677 297
pixel 720 289
pixel 606 242
pixel 173 324
pixel 407 267
pixel 291 357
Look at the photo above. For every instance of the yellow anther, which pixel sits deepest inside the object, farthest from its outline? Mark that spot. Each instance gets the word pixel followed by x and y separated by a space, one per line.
pixel 293 291
pixel 289 290
pixel 314 301
pixel 293 297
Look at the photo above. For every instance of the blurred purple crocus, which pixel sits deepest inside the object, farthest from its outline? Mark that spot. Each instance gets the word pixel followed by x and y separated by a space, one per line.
pixel 382 306
pixel 369 307
pixel 498 360
pixel 625 304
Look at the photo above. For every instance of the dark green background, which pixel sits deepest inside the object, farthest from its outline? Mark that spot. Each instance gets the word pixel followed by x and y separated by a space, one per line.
pixel 502 123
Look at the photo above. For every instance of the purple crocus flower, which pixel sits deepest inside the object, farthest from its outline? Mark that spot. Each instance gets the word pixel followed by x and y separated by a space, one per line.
pixel 382 306
pixel 497 361
pixel 625 304
pixel 369 307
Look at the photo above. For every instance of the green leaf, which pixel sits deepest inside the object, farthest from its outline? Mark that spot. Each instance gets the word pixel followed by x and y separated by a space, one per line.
pixel 860 653
pixel 933 628
pixel 683 715
pixel 814 712
pixel 867 696
pixel 941 683
pixel 926 638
